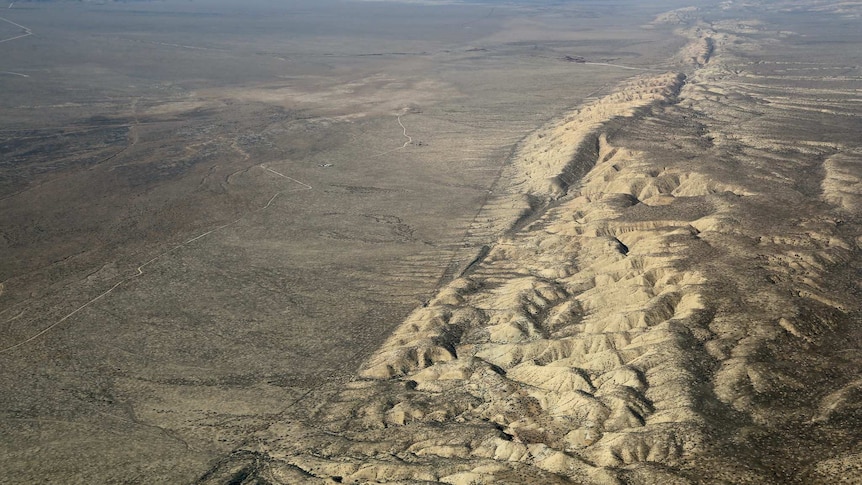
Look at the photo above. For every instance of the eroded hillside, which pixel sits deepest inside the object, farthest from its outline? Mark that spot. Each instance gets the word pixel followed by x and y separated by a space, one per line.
pixel 671 295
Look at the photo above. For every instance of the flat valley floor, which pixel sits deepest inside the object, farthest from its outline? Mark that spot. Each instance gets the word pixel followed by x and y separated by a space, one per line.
pixel 403 242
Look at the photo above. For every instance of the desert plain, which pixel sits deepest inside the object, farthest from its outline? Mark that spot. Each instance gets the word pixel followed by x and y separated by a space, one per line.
pixel 431 242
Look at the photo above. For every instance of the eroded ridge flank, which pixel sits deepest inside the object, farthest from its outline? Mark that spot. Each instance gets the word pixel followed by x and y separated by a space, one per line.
pixel 528 367
pixel 554 157
pixel 651 311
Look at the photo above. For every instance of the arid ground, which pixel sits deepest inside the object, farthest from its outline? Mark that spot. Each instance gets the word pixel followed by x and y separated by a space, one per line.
pixel 431 242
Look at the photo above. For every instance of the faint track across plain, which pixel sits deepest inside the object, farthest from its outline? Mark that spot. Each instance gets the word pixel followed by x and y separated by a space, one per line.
pixel 27 31
pixel 621 66
pixel 139 271
pixel 404 134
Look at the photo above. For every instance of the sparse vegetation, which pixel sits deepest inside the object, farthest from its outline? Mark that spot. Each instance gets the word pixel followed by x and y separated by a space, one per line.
pixel 293 243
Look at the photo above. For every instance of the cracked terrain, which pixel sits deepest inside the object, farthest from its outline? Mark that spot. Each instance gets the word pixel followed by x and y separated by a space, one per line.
pixel 373 274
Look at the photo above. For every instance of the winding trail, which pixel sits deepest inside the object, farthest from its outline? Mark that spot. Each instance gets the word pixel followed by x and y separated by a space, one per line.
pixel 27 31
pixel 404 134
pixel 139 271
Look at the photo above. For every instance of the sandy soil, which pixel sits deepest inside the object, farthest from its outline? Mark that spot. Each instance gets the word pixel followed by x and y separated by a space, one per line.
pixel 671 297
pixel 455 257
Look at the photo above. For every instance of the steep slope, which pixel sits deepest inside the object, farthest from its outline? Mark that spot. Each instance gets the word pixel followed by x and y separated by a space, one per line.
pixel 672 297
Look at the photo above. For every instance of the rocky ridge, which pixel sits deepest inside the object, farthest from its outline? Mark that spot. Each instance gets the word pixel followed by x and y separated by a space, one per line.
pixel 653 311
